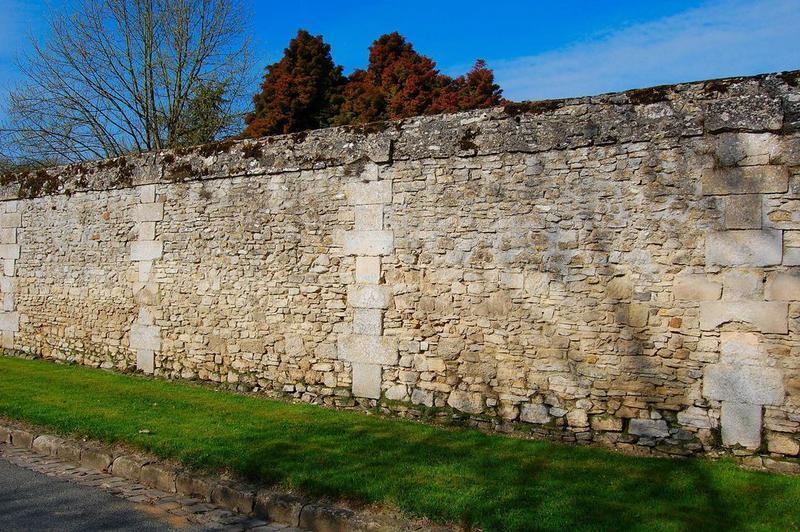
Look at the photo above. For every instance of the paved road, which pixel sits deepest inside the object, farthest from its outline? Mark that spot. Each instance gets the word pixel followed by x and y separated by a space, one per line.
pixel 31 501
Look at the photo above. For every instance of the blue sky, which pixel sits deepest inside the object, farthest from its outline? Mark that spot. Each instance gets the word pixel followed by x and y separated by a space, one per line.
pixel 537 49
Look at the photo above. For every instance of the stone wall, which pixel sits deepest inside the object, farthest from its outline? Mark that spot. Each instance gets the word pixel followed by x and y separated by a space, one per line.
pixel 620 269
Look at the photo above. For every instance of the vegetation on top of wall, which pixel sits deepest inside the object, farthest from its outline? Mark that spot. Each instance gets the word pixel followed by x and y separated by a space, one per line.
pixel 307 90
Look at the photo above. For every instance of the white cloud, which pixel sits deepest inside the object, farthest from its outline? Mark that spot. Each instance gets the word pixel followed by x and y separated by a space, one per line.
pixel 721 39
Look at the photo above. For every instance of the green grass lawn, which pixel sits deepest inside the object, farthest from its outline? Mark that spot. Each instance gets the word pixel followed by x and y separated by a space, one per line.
pixel 461 476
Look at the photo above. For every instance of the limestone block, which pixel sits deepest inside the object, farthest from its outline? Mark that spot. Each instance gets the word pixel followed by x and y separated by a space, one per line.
pixel 145 360
pixel 741 424
pixel 766 316
pixel 158 476
pixel 742 284
pixel 9 251
pixel 743 211
pixel 652 428
pixel 129 467
pixel 145 267
pixel 96 458
pixel 8 235
pixel 7 340
pixel 147 337
pixel 696 417
pixel 8 302
pixel 514 281
pixel 147 231
pixel 192 485
pixel 741 348
pixel 367 349
pixel 6 284
pixel 578 419
pixel 9 267
pixel 782 287
pixel 538 283
pixel 469 402
pixel 368 270
pixel 791 257
pixel 9 321
pixel 783 444
pixel 606 423
pixel 47 445
pixel 366 380
pixel 695 287
pixel 147 250
pixel 747 149
pixel 146 293
pixel 754 112
pixel 534 413
pixel 745 247
pixel 147 194
pixel 369 193
pixel 11 219
pixel 369 217
pixel 368 321
pixel 149 212
pixel 743 384
pixel 145 316
pixel 370 243
pixel 746 180
pixel 369 296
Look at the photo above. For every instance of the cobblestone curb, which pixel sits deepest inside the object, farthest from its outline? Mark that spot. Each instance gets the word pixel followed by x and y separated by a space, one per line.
pixel 218 503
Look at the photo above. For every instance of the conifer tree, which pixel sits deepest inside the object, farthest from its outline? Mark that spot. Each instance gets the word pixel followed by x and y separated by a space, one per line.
pixel 301 91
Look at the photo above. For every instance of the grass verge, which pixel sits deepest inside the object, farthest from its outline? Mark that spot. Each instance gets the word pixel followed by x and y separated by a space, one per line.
pixel 467 477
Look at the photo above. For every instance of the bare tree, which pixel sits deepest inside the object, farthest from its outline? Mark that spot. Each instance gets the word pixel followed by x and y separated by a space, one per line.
pixel 122 76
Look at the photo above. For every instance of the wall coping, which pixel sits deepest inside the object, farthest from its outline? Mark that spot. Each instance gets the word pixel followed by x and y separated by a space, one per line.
pixel 762 103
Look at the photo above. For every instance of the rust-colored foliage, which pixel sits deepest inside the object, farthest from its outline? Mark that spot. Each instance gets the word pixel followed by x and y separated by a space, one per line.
pixel 306 90
pixel 299 92
pixel 399 82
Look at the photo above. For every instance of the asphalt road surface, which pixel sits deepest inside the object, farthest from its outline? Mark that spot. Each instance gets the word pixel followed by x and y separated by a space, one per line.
pixel 31 501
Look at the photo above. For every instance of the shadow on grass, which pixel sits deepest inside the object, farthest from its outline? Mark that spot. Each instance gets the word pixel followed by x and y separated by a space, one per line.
pixel 464 476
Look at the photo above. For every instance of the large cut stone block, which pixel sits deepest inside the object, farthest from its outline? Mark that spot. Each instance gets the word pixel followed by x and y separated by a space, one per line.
pixel 696 287
pixel 743 384
pixel 741 285
pixel 146 250
pixel 369 193
pixel 11 219
pixel 743 211
pixel 369 217
pixel 741 424
pixel 741 348
pixel 791 257
pixel 744 248
pixel 147 231
pixel 9 321
pixel 746 180
pixel 766 316
pixel 146 337
pixel 8 235
pixel 368 270
pixel 145 360
pixel 370 243
pixel 782 287
pixel 366 380
pixel 369 296
pixel 147 193
pixel 367 349
pixel 368 321
pixel 9 251
pixel 149 212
